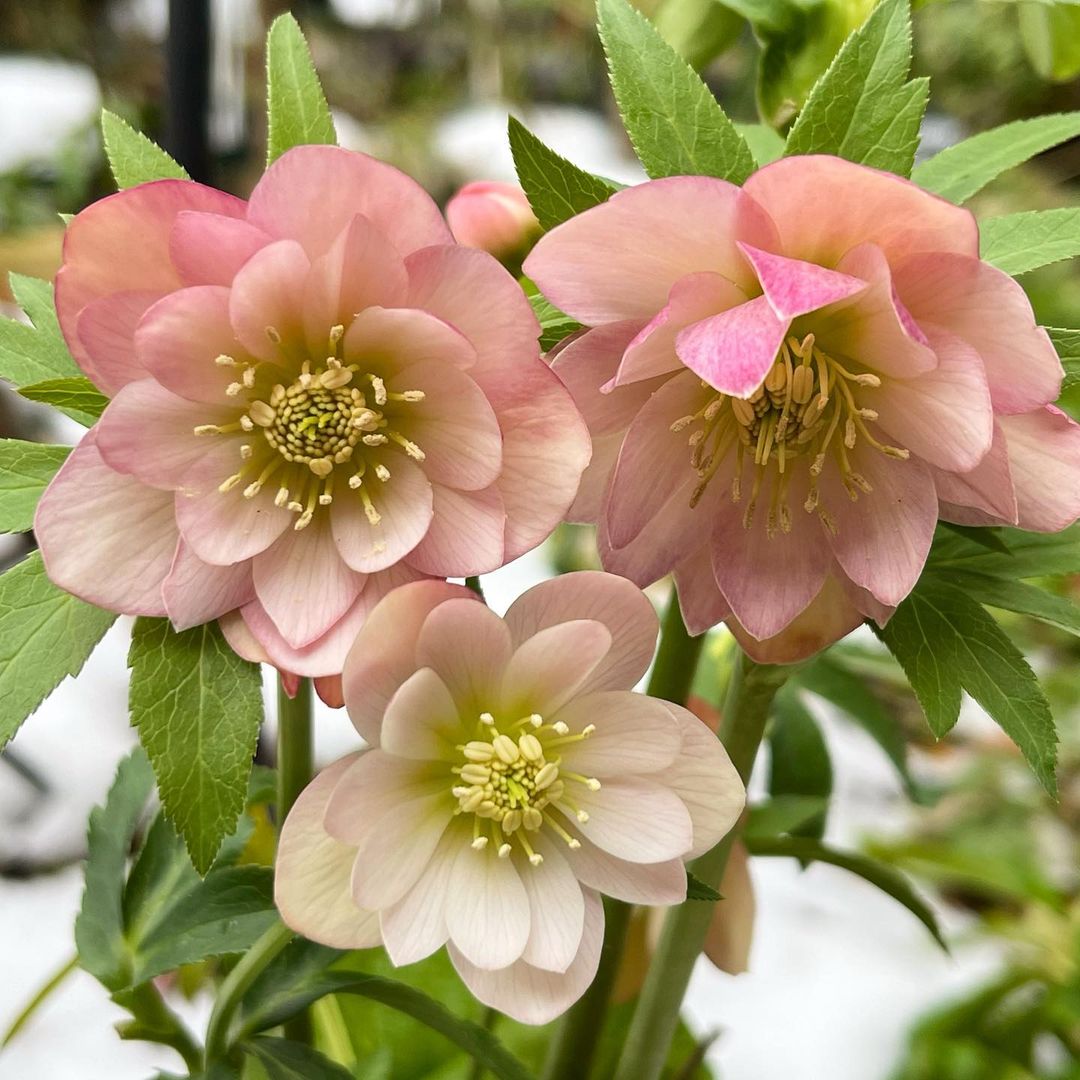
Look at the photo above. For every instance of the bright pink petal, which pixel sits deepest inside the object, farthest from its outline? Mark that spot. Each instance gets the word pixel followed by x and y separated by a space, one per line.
pixel 1044 456
pixel 106 329
pixel 987 489
pixel 421 722
pixel 733 351
pixel 388 339
pixel 106 537
pixel 634 734
pixel 620 259
pixel 266 300
pixel 556 907
pixel 615 602
pixel 657 884
pixel 635 818
pixel 303 584
pixel 312 872
pixel 794 287
pixel 196 592
pixel 700 599
pixel 992 313
pixel 209 249
pixel 311 193
pixel 487 909
pixel 823 206
pixel 466 536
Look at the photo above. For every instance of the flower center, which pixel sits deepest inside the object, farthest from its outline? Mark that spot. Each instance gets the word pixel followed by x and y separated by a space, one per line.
pixel 514 785
pixel 805 408
pixel 331 415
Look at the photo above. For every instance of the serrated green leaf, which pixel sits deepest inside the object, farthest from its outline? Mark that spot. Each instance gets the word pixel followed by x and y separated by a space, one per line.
pixel 554 324
pixel 298 113
pixel 556 188
pixel 675 124
pixel 76 397
pixel 885 878
pixel 946 643
pixel 1067 343
pixel 133 158
pixel 863 108
pixel 286 1060
pixel 46 634
pixel 698 890
pixel 25 470
pixel 1019 596
pixel 765 143
pixel 197 707
pixel 1029 554
pixel 99 928
pixel 959 171
pixel 1018 243
pixel 32 353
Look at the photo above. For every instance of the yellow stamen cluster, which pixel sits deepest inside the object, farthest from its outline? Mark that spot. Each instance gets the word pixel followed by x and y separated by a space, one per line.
pixel 805 408
pixel 515 785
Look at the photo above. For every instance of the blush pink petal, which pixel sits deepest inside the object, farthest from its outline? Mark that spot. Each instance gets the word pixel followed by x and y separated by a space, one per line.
pixel 532 995
pixel 987 489
pixel 209 249
pixel 656 884
pixel 148 432
pixel 384 653
pixel 311 193
pixel 692 298
pixel 586 507
pixel 393 338
pixel 362 269
pixel 943 416
pixel 112 572
pixel 421 722
pixel 121 244
pixel 180 338
pixel 705 780
pixel 556 908
pixel 405 508
pixel 794 287
pixel 992 313
pixel 634 734
pixel 823 206
pixel 549 668
pixel 312 871
pixel 487 908
pixel 733 351
pixel 196 592
pixel 106 329
pixel 700 600
pixel 266 299
pixel 620 259
pixel 466 536
pixel 469 646
pixel 303 584
pixel 614 601
pixel 1044 461
pixel 635 818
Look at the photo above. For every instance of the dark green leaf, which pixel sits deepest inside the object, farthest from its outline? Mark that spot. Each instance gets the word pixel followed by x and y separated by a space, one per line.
pixel 99 928
pixel 25 470
pixel 554 325
pixel 1067 343
pixel 675 124
pixel 556 188
pixel 946 643
pixel 987 537
pixel 197 707
pixel 883 877
pixel 799 762
pixel 133 158
pixel 1030 554
pixel 298 113
pixel 1017 243
pixel 1020 597
pixel 698 890
pixel 863 108
pixel 76 396
pixel 285 1060
pixel 46 634
pixel 31 353
pixel 784 814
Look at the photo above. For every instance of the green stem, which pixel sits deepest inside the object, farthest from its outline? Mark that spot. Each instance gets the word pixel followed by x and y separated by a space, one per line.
pixel 236 985
pixel 153 1021
pixel 37 1000
pixel 574 1044
pixel 478 1071
pixel 746 708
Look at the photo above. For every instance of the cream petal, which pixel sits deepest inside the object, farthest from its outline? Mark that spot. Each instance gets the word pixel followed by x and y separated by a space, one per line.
pixel 634 734
pixel 556 906
pixel 421 722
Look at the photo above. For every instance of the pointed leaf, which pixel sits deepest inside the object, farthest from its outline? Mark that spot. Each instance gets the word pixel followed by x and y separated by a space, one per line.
pixel 30 353
pixel 1021 597
pixel 298 113
pixel 286 1060
pixel 1018 243
pixel 25 470
pixel 554 324
pixel 698 890
pixel 799 762
pixel 133 158
pixel 76 397
pixel 1029 554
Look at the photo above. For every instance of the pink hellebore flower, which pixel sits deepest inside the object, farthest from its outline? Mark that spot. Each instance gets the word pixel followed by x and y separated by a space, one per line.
pixel 512 778
pixel 493 216
pixel 317 395
pixel 789 383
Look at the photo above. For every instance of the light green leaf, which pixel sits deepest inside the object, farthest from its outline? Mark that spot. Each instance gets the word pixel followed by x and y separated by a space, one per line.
pixel 765 144
pixel 1017 243
pixel 863 108
pixel 25 470
pixel 298 113
pixel 133 158
pixel 556 188
pixel 675 124
pixel 285 1060
pixel 197 707
pixel 46 634
pixel 99 928
pixel 554 324
pixel 31 353
pixel 799 762
pixel 884 877
pixel 1029 554
pixel 1020 597
pixel 1067 343
pixel 76 397
pixel 946 643
pixel 959 171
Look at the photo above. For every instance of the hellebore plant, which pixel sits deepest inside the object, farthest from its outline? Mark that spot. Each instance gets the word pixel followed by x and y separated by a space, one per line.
pixel 799 379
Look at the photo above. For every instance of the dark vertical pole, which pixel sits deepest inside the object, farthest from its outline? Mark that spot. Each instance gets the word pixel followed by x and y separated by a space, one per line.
pixel 187 106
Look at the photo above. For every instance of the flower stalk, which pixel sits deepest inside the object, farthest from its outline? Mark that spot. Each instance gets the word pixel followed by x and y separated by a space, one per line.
pixel 750 692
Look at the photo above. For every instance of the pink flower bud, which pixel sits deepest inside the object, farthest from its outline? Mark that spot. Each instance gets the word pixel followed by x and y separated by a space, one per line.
pixel 492 216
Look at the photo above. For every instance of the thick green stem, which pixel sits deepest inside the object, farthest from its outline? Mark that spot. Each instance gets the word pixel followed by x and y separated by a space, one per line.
pixel 574 1044
pixel 746 708
pixel 153 1021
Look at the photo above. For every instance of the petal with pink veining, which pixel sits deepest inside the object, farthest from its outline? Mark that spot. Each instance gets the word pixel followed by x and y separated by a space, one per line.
pixel 388 339
pixel 266 300
pixel 106 328
pixel 987 489
pixel 700 599
pixel 635 818
pixel 556 908
pixel 466 535
pixel 196 592
pixel 209 249
pixel 421 722
pixel 656 884
pixel 794 287
pixel 1044 461
pixel 633 734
